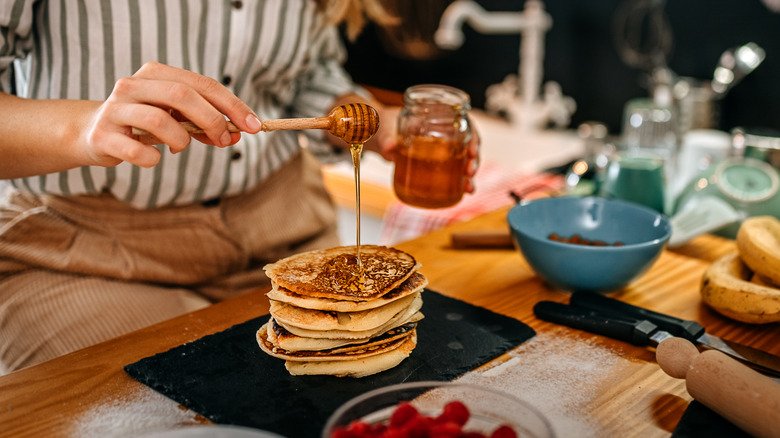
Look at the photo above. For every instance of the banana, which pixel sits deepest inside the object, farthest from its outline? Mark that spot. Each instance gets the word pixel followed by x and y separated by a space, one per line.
pixel 758 241
pixel 726 287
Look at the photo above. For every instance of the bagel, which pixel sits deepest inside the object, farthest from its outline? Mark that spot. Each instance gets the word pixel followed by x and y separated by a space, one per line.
pixel 758 242
pixel 727 288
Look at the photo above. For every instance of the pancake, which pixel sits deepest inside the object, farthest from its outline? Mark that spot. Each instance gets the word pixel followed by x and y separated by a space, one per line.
pixel 401 317
pixel 282 338
pixel 333 273
pixel 323 320
pixel 415 283
pixel 361 367
pixel 383 343
pixel 332 314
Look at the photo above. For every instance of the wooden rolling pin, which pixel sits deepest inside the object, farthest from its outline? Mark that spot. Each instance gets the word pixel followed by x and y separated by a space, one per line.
pixel 746 398
pixel 353 123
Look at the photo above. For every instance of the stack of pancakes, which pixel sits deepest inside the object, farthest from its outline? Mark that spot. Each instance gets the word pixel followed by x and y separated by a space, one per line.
pixel 329 315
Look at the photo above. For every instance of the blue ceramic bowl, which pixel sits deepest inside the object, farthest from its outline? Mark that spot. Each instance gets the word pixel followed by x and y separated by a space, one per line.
pixel 576 267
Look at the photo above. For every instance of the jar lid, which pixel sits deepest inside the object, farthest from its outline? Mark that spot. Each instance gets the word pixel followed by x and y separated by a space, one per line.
pixel 437 93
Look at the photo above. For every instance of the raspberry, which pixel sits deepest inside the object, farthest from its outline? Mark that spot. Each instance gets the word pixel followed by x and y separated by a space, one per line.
pixel 359 429
pixel 402 414
pixel 455 412
pixel 419 426
pixel 395 433
pixel 407 422
pixel 445 430
pixel 377 429
pixel 341 433
pixel 504 431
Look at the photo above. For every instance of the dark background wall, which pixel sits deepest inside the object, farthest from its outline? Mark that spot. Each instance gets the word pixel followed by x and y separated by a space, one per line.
pixel 581 55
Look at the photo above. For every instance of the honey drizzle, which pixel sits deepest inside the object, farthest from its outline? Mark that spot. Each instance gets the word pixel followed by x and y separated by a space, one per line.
pixel 356 149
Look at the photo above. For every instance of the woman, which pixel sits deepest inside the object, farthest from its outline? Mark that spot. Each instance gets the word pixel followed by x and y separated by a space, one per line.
pixel 102 234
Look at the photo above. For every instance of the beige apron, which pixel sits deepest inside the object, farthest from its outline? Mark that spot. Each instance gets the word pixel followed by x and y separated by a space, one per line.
pixel 77 271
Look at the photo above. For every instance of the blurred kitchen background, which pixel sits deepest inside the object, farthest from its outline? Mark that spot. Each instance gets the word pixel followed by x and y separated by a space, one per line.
pixel 589 70
pixel 585 53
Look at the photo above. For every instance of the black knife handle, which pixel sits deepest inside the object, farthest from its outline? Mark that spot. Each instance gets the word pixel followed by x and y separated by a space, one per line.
pixel 630 330
pixel 690 330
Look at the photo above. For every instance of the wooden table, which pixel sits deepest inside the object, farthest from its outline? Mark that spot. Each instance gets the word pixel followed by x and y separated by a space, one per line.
pixel 586 384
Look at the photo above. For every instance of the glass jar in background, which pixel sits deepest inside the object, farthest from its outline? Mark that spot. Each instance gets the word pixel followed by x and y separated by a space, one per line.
pixel 433 137
pixel 584 176
pixel 636 176
pixel 650 127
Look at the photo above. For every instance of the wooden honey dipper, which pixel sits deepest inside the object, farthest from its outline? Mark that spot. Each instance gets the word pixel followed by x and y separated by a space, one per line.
pixel 745 397
pixel 354 123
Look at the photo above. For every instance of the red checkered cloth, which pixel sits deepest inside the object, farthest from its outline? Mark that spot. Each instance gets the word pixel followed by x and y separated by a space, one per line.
pixel 494 185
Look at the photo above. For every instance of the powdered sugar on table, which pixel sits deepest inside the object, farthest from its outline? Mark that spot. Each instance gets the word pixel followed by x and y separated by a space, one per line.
pixel 557 375
pixel 142 412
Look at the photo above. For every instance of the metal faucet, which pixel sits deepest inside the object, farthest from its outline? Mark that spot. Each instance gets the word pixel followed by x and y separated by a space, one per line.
pixel 517 96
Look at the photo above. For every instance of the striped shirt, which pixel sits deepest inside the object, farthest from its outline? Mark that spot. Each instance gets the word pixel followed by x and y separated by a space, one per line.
pixel 278 56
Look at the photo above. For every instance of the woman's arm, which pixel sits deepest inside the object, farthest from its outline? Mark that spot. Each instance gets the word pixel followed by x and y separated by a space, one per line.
pixel 44 136
pixel 40 136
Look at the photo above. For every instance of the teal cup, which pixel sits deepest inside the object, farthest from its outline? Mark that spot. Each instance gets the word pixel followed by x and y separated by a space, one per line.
pixel 637 178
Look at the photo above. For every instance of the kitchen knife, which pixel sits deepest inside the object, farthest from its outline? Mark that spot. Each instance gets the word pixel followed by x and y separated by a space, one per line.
pixel 641 332
pixel 636 331
pixel 690 330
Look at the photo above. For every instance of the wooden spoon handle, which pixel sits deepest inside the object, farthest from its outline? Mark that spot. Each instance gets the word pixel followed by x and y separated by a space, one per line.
pixel 299 123
pixel 267 125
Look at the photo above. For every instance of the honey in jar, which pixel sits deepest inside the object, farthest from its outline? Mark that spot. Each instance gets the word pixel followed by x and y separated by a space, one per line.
pixel 434 134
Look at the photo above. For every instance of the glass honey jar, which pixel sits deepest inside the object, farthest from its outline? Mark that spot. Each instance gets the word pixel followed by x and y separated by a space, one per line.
pixel 433 137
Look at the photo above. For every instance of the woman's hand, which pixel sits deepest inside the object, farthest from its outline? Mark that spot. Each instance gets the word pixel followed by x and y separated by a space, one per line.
pixel 155 99
pixel 472 163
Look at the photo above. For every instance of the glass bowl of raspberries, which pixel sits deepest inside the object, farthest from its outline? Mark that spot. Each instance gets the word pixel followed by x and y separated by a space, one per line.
pixel 437 409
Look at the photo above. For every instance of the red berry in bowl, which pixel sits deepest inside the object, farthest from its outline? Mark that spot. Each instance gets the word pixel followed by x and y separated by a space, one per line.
pixel 445 430
pixel 395 433
pixel 456 412
pixel 407 422
pixel 402 414
pixel 503 431
pixel 419 426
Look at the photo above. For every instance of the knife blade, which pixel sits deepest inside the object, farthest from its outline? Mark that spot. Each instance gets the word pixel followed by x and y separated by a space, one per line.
pixel 690 330
pixel 639 332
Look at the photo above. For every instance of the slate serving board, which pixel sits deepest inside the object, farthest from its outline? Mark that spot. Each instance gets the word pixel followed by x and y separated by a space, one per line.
pixel 700 421
pixel 228 379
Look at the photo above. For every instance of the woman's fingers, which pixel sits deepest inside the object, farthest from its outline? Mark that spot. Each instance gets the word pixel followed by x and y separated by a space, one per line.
pixel 215 93
pixel 234 138
pixel 109 142
pixel 151 119
pixel 474 143
pixel 123 148
pixel 154 100
pixel 180 98
pixel 469 186
pixel 472 163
